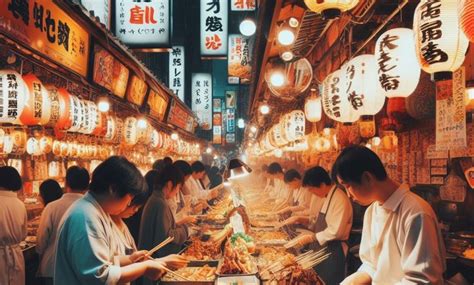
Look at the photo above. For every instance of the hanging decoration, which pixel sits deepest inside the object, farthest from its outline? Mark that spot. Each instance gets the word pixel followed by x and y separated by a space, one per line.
pixel 421 105
pixel 13 93
pixel 330 8
pixel 335 102
pixel 312 107
pixel 130 133
pixel 287 80
pixel 466 15
pixel 37 109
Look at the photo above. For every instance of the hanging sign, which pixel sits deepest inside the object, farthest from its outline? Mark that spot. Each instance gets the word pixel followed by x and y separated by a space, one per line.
pixel 201 98
pixel 176 71
pixel 136 91
pixel 100 8
pixel 46 28
pixel 13 94
pixel 239 59
pixel 143 23
pixel 242 5
pixel 214 27
pixel 179 117
pixel 230 120
pixel 230 99
pixel 217 128
pixel 230 138
pixel 216 105
pixel 158 102
pixel 109 72
pixel 450 112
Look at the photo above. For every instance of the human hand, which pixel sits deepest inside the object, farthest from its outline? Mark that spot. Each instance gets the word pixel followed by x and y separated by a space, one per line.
pixel 189 220
pixel 301 240
pixel 155 269
pixel 139 255
pixel 174 261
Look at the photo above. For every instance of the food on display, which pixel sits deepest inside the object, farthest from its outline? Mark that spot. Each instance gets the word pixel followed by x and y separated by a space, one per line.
pixel 199 250
pixel 237 258
pixel 269 255
pixel 270 236
pixel 204 273
pixel 294 275
pixel 469 253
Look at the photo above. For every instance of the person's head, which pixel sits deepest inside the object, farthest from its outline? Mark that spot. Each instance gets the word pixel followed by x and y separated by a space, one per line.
pixel 292 178
pixel 137 202
pixel 167 160
pixel 77 179
pixel 198 170
pixel 359 170
pixel 10 179
pixel 50 191
pixel 274 170
pixel 169 181
pixel 158 164
pixel 184 167
pixel 115 182
pixel 317 181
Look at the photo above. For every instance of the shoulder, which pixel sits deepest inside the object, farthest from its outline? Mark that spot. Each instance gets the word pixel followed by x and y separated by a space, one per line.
pixel 81 212
pixel 341 197
pixel 413 205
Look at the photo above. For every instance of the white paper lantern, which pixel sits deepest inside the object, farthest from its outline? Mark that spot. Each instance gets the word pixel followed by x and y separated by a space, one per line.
pixel 130 133
pixel 33 146
pixel 111 129
pixel 312 108
pixel 94 117
pixel 155 139
pixel 398 67
pixel 277 135
pixel 13 93
pixel 37 110
pixel 330 8
pixel 334 99
pixel 361 85
pixel 440 43
pixel 76 114
pixel 294 126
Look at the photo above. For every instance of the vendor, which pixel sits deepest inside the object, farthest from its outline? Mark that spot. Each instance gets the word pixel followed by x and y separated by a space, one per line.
pixel 332 227
pixel 277 190
pixel 401 240
pixel 300 198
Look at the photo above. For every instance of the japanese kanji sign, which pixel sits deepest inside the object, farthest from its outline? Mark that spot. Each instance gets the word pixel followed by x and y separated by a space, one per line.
pixel 217 128
pixel 101 10
pixel 242 5
pixel 239 59
pixel 216 105
pixel 230 113
pixel 109 72
pixel 176 71
pixel 230 138
pixel 450 112
pixel 137 90
pixel 230 99
pixel 143 22
pixel 214 26
pixel 158 102
pixel 179 117
pixel 201 98
pixel 46 28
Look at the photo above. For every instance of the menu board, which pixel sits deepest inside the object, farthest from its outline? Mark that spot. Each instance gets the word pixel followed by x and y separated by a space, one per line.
pixel 137 90
pixel 179 117
pixel 158 102
pixel 119 79
pixel 239 59
pixel 109 72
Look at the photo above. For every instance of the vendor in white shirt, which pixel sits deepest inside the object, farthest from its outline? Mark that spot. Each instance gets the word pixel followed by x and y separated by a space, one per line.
pixel 401 241
pixel 300 198
pixel 275 173
pixel 332 227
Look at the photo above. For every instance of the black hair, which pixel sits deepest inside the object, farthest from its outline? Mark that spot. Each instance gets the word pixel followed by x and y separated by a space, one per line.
pixel 214 170
pixel 291 175
pixel 157 180
pixel 184 167
pixel 10 179
pixel 316 176
pixel 50 191
pixel 77 178
pixel 158 164
pixel 117 176
pixel 274 168
pixel 353 161
pixel 198 166
pixel 167 160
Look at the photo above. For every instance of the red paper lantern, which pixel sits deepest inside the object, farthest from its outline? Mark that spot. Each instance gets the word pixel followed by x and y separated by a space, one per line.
pixel 396 109
pixel 466 18
pixel 62 120
pixel 37 109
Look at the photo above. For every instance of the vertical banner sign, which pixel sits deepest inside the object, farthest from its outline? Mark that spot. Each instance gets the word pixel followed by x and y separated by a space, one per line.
pixel 450 112
pixel 216 105
pixel 143 23
pixel 100 8
pixel 176 71
pixel 230 120
pixel 238 59
pixel 230 99
pixel 230 138
pixel 217 128
pixel 201 99
pixel 214 27
pixel 242 5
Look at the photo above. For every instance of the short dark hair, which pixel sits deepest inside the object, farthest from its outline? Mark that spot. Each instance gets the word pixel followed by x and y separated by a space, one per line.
pixel 291 175
pixel 184 167
pixel 198 166
pixel 157 180
pixel 117 176
pixel 50 191
pixel 159 164
pixel 77 178
pixel 353 161
pixel 274 168
pixel 168 160
pixel 10 179
pixel 214 170
pixel 316 176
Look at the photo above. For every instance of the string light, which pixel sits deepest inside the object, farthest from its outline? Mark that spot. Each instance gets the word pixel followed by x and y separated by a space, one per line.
pixel 264 109
pixel 103 105
pixel 286 37
pixel 247 27
pixel 142 123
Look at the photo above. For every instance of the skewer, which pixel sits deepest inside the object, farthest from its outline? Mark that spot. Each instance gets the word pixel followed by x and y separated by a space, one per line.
pixel 175 274
pixel 159 246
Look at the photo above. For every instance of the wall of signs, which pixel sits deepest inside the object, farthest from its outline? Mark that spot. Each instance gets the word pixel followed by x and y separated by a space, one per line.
pixel 230 113
pixel 101 10
pixel 239 59
pixel 158 102
pixel 137 90
pixel 179 117
pixel 46 28
pixel 201 98
pixel 143 23
pixel 214 27
pixel 242 5
pixel 176 71
pixel 109 72
pixel 217 128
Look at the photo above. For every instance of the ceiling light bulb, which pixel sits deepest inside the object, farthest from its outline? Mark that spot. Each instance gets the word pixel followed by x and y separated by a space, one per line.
pixel 253 129
pixel 103 105
pixel 241 123
pixel 208 150
pixel 174 136
pixel 277 79
pixel 376 141
pixel 286 37
pixel 264 109
pixel 142 123
pixel 293 22
pixel 247 27
pixel 287 55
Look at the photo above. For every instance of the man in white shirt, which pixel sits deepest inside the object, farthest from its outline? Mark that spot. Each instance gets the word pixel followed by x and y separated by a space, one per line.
pixel 275 173
pixel 401 241
pixel 300 198
pixel 77 182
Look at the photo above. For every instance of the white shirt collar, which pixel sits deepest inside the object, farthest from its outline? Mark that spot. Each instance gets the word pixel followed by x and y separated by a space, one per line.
pixel 7 193
pixel 396 198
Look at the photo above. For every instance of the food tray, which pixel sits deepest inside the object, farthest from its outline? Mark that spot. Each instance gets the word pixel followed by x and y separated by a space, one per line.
pixel 195 263
pixel 250 279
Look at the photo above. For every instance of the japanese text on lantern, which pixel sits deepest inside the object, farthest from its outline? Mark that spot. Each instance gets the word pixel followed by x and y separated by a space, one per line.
pixel 176 71
pixel 431 32
pixel 335 98
pixel 9 103
pixel 43 26
pixel 242 5
pixel 143 22
pixel 386 63
pixel 201 98
pixel 214 15
pixel 355 100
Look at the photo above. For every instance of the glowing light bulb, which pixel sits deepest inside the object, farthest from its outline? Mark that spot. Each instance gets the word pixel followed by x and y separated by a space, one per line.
pixel 277 79
pixel 247 27
pixel 286 37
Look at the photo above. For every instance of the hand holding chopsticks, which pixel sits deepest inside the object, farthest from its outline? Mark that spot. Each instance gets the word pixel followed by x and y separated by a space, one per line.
pixel 151 252
pixel 301 240
pixel 161 245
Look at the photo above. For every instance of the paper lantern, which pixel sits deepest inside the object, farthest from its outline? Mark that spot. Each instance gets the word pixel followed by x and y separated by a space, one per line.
pixel 130 133
pixel 101 126
pixel 33 146
pixel 312 107
pixel 37 110
pixel 367 128
pixel 440 43
pixel 110 128
pixel 276 137
pixel 120 129
pixel 335 103
pixel 18 139
pixel 76 114
pixel 155 139
pixel 92 118
pixel 397 64
pixel 294 126
pixel 330 8
pixel 466 15
pixel 13 94
pixel 46 144
pixel 361 85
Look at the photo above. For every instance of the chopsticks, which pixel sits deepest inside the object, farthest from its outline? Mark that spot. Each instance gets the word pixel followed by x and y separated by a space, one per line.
pixel 162 244
pixel 175 274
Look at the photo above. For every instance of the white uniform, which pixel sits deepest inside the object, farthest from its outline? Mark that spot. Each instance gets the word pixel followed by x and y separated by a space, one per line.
pixel 86 246
pixel 13 219
pixel 196 190
pixel 48 230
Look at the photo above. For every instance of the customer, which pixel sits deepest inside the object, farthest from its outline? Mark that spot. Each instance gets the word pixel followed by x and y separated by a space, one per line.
pixel 401 241
pixel 13 219
pixel 86 244
pixel 159 165
pixel 50 191
pixel 167 160
pixel 77 182
pixel 182 203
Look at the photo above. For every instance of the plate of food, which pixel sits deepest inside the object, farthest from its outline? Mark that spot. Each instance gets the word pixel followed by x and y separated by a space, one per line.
pixel 200 250
pixel 194 275
pixel 270 237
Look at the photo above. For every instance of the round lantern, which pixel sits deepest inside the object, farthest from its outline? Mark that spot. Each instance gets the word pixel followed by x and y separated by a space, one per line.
pixel 440 43
pixel 93 119
pixel 37 109
pixel 312 107
pixel 110 128
pixel 421 104
pixel 33 146
pixel 286 80
pixel 76 114
pixel 277 136
pixel 63 120
pixel 466 15
pixel 334 99
pixel 330 9
pixel 19 138
pixel 361 85
pixel 88 118
pixel 130 133
pixel 398 67
pixel 46 144
pixel 7 144
pixel 155 139
pixel 119 129
pixel 12 97
pixel 54 98
pixel 294 126
pixel 101 126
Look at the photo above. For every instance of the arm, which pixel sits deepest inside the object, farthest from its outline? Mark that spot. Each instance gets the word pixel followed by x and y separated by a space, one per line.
pixel 357 278
pixel 44 231
pixel 339 220
pixel 171 229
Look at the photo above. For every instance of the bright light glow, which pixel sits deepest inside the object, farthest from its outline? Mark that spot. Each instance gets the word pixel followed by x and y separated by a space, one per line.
pixel 142 123
pixel 326 131
pixel 241 123
pixel 369 146
pixel 174 136
pixel 313 109
pixel 470 93
pixel 103 105
pixel 216 157
pixel 264 109
pixel 376 141
pixel 277 79
pixel 293 22
pixel 208 150
pixel 278 153
pixel 253 129
pixel 243 157
pixel 250 144
pixel 287 55
pixel 247 27
pixel 286 37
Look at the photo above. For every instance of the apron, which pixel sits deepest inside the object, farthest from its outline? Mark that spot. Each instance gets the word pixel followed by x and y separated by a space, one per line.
pixel 12 265
pixel 333 270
